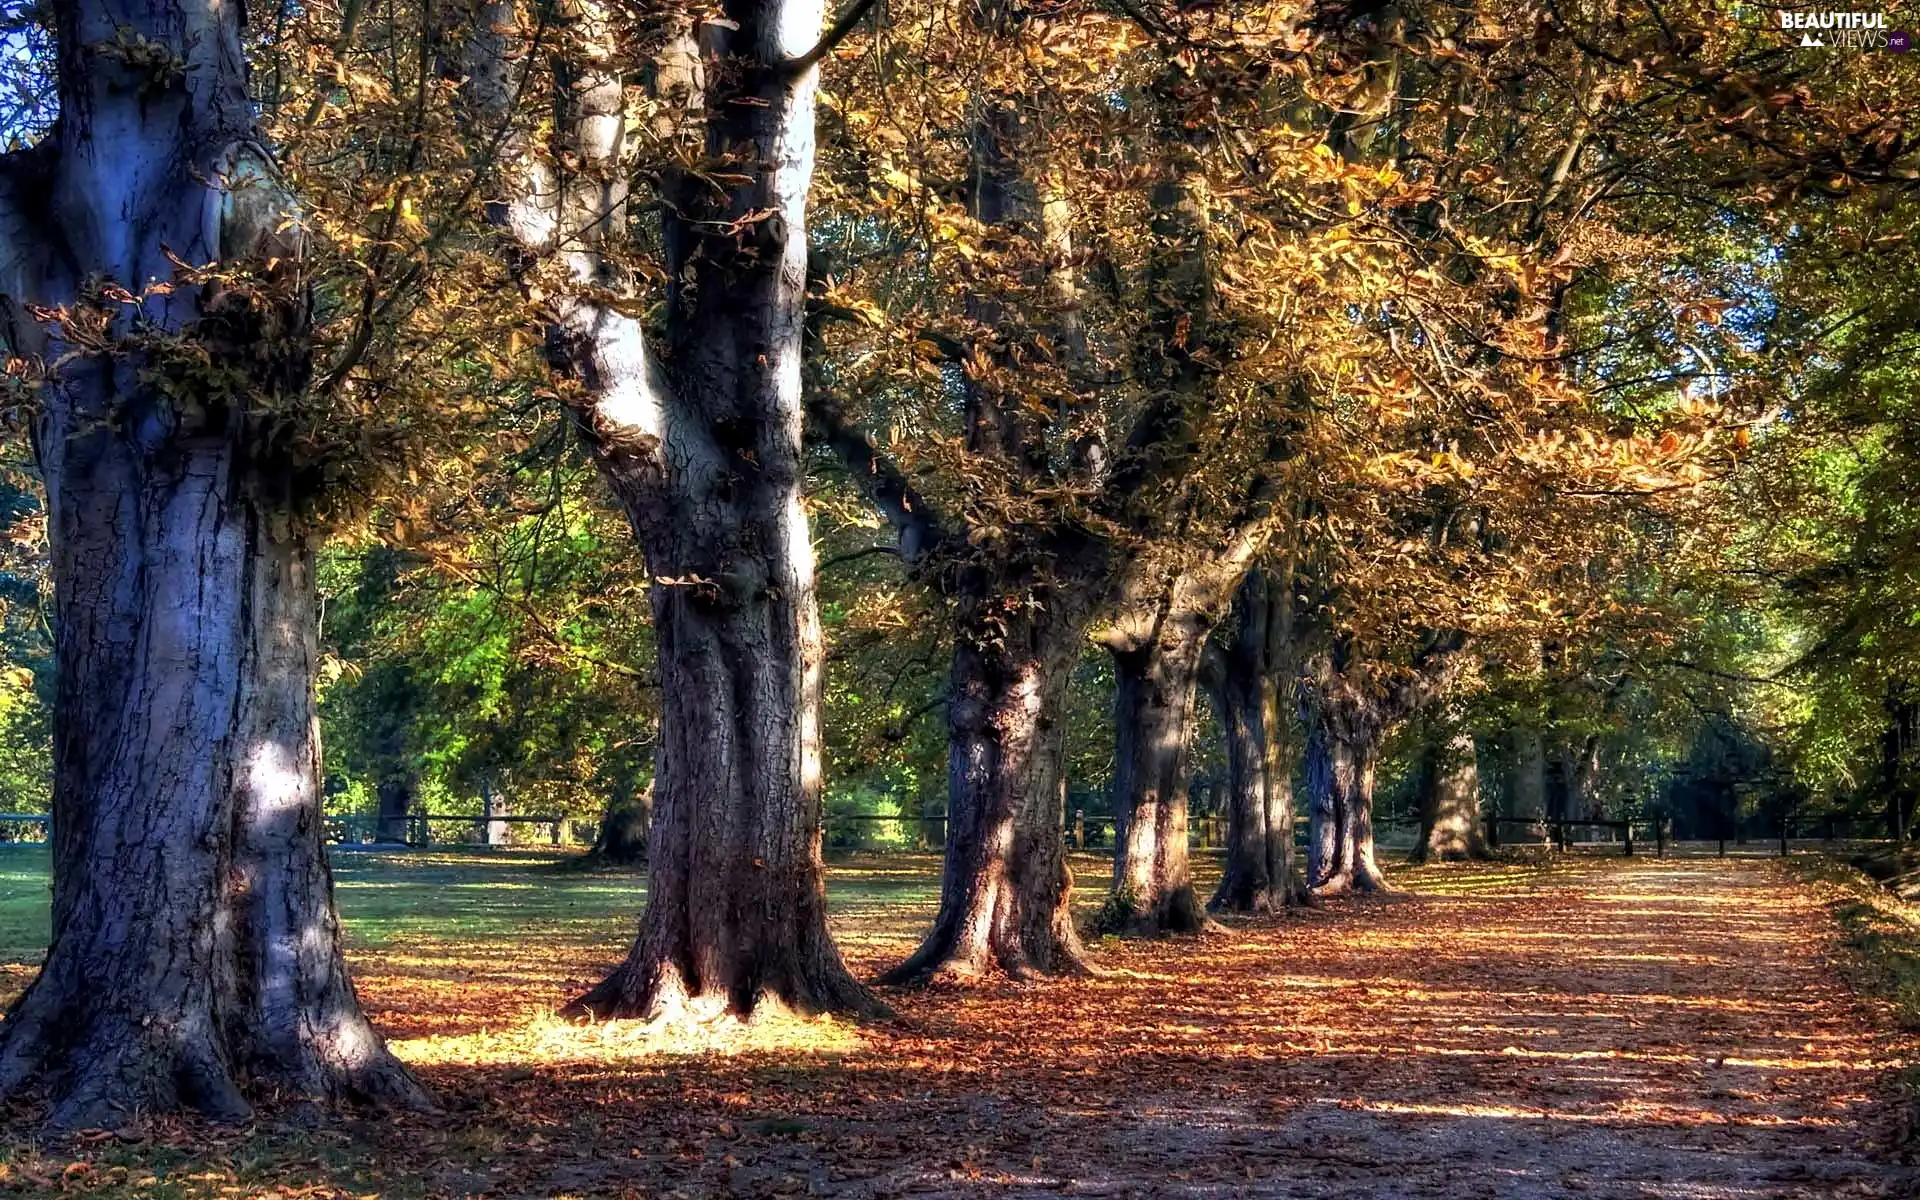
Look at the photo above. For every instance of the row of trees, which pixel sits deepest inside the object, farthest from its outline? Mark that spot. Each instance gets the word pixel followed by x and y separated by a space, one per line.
pixel 1336 359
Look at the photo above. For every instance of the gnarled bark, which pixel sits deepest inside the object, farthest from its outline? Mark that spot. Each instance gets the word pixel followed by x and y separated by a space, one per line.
pixel 1154 688
pixel 195 959
pixel 708 469
pixel 1004 886
pixel 1348 705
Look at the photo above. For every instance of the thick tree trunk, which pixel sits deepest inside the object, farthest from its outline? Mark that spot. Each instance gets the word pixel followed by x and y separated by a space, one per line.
pixel 1526 793
pixel 1897 741
pixel 289 1009
pixel 1005 886
pixel 195 958
pixel 1347 708
pixel 1339 776
pixel 1154 689
pixel 493 804
pixel 1259 874
pixel 1448 784
pixel 709 471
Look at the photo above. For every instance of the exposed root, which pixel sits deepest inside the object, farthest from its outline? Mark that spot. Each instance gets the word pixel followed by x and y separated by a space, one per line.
pixel 657 993
pixel 1177 912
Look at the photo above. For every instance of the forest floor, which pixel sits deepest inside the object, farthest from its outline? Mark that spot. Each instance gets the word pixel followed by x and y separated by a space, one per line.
pixel 1598 1027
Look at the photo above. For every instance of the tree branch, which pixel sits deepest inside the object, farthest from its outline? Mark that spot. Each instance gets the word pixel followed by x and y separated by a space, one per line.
pixel 884 484
pixel 831 39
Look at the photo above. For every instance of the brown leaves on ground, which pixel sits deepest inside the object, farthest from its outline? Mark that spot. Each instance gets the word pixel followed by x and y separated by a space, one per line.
pixel 1612 1028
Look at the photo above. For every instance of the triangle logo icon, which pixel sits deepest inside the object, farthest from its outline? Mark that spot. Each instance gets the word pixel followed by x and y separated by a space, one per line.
pixel 1807 39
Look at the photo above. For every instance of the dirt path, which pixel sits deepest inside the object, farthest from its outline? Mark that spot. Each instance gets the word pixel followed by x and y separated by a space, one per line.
pixel 1620 1029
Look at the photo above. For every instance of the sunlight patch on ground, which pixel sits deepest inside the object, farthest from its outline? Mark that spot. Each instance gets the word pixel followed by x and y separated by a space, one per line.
pixel 547 1040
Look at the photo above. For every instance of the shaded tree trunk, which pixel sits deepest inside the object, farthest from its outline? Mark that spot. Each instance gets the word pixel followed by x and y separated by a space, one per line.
pixel 1259 874
pixel 622 838
pixel 1526 792
pixel 1348 706
pixel 1004 887
pixel 1154 689
pixel 1447 781
pixel 1897 741
pixel 394 801
pixel 195 957
pixel 1341 756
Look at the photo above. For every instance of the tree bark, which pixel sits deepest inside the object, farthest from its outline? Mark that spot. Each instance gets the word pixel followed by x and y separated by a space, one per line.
pixel 1348 705
pixel 1005 886
pixel 708 469
pixel 1154 689
pixel 492 804
pixel 1342 753
pixel 1448 783
pixel 195 957
pixel 1259 874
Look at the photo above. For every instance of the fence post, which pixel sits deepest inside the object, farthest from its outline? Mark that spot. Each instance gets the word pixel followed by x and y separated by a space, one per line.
pixel 1660 837
pixel 1629 838
pixel 1493 830
pixel 556 831
pixel 1786 829
pixel 1723 845
pixel 1079 829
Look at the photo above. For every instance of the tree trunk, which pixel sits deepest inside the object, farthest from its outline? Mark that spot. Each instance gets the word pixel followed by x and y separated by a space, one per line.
pixel 1005 887
pixel 1347 710
pixel 492 804
pixel 1448 784
pixel 195 957
pixel 290 1015
pixel 1340 765
pixel 1897 740
pixel 709 471
pixel 394 797
pixel 1259 875
pixel 1527 778
pixel 1153 724
pixel 622 840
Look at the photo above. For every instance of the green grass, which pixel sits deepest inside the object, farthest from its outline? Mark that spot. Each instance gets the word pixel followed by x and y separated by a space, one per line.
pixel 23 902
pixel 458 894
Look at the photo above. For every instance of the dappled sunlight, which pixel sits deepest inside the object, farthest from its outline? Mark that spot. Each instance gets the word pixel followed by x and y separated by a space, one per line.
pixel 548 1040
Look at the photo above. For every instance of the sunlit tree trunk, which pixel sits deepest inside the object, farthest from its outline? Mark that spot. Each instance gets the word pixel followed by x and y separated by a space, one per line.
pixel 703 452
pixel 1005 886
pixel 195 958
pixel 1447 781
